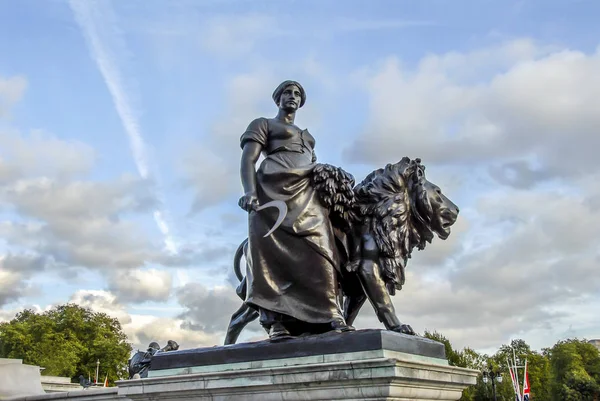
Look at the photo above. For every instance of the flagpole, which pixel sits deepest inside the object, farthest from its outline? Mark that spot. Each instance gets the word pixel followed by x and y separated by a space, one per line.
pixel 518 387
pixel 524 380
pixel 512 376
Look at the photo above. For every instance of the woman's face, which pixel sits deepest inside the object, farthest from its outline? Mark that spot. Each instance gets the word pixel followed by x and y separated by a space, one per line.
pixel 290 98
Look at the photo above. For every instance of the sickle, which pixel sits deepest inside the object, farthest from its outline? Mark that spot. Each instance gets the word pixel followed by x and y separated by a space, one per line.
pixel 281 206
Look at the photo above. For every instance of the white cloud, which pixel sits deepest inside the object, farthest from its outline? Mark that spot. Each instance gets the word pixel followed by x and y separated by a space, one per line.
pixel 208 309
pixel 9 314
pixel 526 103
pixel 141 285
pixel 143 329
pixel 51 199
pixel 11 91
pixel 103 302
pixel 79 223
pixel 12 286
pixel 16 270
pixel 42 154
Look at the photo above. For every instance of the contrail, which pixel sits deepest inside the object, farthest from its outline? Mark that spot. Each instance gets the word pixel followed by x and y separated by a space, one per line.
pixel 100 29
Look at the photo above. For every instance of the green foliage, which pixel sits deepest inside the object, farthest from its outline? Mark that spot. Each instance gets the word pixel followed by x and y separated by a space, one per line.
pixel 454 358
pixel 67 341
pixel 569 371
pixel 467 358
pixel 575 371
pixel 537 366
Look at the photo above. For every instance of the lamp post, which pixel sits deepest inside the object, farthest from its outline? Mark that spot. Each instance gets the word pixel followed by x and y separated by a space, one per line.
pixel 493 375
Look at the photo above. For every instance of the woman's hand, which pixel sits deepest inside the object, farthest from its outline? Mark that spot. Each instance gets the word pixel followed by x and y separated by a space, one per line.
pixel 249 201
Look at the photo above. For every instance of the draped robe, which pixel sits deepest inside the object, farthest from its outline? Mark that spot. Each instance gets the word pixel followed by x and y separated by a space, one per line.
pixel 293 271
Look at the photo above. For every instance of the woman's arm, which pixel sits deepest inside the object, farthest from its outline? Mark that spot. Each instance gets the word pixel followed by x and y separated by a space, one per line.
pixel 250 155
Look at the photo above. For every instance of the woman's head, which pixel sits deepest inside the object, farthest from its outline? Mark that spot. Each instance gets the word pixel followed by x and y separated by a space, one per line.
pixel 291 90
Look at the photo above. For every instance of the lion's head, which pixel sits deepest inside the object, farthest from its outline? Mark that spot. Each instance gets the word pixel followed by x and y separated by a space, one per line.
pixel 434 210
pixel 402 210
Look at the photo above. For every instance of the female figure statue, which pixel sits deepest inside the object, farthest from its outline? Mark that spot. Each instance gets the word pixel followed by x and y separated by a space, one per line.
pixel 291 274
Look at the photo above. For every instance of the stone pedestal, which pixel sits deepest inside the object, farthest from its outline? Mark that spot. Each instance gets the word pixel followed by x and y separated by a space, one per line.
pixel 18 380
pixel 362 365
pixel 57 384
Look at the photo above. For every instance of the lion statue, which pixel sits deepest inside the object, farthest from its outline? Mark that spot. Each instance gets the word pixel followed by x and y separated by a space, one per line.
pixel 395 210
pixel 378 224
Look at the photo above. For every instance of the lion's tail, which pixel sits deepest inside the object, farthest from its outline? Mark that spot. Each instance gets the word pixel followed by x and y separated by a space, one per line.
pixel 237 260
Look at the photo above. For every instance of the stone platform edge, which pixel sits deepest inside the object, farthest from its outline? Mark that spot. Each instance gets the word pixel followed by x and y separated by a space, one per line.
pixel 324 344
pixel 368 379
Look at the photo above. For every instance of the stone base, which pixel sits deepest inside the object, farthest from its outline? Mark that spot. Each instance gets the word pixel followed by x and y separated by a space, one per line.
pixel 375 379
pixel 57 384
pixel 18 380
pixel 364 365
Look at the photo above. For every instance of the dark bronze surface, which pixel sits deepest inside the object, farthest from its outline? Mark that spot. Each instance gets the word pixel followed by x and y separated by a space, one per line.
pixel 139 364
pixel 291 274
pixel 339 244
pixel 323 344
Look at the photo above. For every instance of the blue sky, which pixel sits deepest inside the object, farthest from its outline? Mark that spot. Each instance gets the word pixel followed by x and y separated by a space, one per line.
pixel 119 151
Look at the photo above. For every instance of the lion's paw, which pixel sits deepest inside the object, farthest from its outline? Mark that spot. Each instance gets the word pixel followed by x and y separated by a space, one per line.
pixel 404 329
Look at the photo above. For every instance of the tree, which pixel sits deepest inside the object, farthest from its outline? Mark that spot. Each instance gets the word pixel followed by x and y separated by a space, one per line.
pixel 467 358
pixel 538 369
pixel 67 341
pixel 575 368
pixel 454 358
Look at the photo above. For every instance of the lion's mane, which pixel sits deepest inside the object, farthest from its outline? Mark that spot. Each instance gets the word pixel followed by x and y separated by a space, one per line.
pixel 394 206
pixel 391 202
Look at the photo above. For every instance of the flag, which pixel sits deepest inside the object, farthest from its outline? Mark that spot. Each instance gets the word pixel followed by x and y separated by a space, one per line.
pixel 525 384
pixel 106 381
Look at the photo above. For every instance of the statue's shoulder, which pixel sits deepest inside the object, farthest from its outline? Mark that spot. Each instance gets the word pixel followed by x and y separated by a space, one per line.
pixel 257 131
pixel 259 124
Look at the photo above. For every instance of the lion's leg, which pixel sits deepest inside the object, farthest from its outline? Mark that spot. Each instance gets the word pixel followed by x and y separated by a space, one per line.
pixel 240 319
pixel 378 295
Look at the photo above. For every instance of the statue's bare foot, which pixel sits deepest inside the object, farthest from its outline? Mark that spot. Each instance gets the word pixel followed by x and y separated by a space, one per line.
pixel 404 329
pixel 278 332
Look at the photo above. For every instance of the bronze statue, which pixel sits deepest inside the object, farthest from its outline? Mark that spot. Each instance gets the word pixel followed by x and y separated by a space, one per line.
pixel 395 210
pixel 331 245
pixel 139 364
pixel 291 274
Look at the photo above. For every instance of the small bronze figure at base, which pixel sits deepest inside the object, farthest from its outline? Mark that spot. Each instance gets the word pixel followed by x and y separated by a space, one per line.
pixel 140 361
